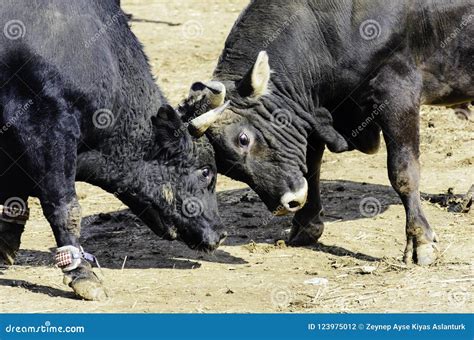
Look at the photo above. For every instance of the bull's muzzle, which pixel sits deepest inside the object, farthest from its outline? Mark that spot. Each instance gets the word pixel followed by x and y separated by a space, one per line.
pixel 294 201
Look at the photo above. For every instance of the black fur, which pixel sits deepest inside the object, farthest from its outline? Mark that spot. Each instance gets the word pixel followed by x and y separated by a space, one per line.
pixel 75 62
pixel 324 60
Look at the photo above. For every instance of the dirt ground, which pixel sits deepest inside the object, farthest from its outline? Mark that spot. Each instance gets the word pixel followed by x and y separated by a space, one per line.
pixel 357 266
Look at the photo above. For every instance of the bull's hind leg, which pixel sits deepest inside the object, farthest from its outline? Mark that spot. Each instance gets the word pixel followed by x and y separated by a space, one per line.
pixel 10 238
pixel 14 210
pixel 400 126
pixel 11 227
pixel 307 224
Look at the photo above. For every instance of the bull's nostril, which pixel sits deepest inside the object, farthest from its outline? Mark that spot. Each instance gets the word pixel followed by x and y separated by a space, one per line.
pixel 293 201
pixel 294 204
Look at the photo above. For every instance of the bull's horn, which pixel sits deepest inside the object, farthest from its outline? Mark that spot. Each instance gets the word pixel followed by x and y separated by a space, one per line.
pixel 199 125
pixel 216 94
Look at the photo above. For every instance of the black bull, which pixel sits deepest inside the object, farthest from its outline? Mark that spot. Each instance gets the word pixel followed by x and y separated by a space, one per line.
pixel 78 102
pixel 335 73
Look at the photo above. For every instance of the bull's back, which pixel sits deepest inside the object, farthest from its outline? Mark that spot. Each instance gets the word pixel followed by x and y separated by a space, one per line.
pixel 87 50
pixel 448 70
pixel 69 35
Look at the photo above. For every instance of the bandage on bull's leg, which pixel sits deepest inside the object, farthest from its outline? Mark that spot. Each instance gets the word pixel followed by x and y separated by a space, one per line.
pixel 69 258
pixel 65 221
pixel 78 272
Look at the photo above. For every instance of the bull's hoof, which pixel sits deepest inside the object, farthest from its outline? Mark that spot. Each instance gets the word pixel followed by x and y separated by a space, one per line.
pixel 89 289
pixel 423 254
pixel 426 254
pixel 305 235
pixel 85 283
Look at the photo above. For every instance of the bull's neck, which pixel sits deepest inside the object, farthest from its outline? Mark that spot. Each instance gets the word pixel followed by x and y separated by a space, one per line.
pixel 297 96
pixel 126 181
pixel 289 93
pixel 299 63
pixel 135 99
pixel 107 162
pixel 111 158
pixel 129 181
pixel 132 134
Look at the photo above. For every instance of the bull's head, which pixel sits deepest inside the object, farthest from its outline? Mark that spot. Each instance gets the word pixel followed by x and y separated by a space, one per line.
pixel 172 189
pixel 261 138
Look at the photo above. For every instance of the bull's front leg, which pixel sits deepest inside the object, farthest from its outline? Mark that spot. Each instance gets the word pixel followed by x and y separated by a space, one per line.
pixel 65 220
pixel 307 223
pixel 404 173
pixel 58 199
pixel 399 121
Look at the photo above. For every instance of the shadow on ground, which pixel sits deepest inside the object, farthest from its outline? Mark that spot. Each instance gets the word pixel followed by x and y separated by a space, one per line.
pixel 121 239
pixel 112 237
pixel 35 288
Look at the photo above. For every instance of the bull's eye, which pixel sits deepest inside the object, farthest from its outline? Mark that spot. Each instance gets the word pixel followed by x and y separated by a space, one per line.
pixel 244 140
pixel 206 172
pixel 206 175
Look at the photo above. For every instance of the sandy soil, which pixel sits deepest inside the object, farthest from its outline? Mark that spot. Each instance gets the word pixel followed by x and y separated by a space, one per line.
pixel 360 257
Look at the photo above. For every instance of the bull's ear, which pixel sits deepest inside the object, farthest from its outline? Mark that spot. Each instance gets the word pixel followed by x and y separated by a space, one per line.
pixel 255 82
pixel 325 131
pixel 172 141
pixel 167 123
